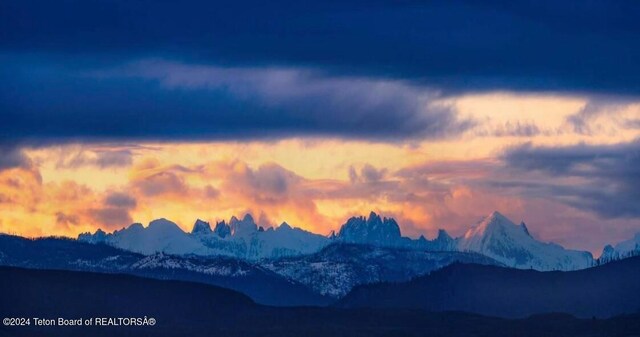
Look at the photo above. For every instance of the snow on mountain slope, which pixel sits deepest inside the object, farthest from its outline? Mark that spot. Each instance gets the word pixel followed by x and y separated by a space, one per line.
pixel 214 267
pixel 98 237
pixel 336 269
pixel 442 243
pixel 496 237
pixel 243 228
pixel 161 235
pixel 621 250
pixel 240 238
pixel 260 284
pixel 286 241
pixel 246 240
pixel 499 238
pixel 385 232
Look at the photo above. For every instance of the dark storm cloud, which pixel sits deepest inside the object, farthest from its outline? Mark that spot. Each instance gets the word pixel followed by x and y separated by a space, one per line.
pixel 66 220
pixel 446 46
pixel 161 183
pixel 602 178
pixel 119 199
pixel 269 182
pixel 115 210
pixel 13 157
pixel 509 129
pixel 111 217
pixel 163 100
pixel 556 45
pixel 595 107
pixel 368 174
pixel 74 158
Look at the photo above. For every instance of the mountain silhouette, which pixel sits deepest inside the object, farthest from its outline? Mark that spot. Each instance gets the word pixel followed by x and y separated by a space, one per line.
pixel 603 291
pixel 199 310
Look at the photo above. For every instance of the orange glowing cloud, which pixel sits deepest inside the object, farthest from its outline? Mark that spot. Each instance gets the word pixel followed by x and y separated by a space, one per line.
pixel 317 183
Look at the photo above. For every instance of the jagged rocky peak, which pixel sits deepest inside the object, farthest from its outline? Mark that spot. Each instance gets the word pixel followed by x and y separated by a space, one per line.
pixel 133 228
pixel 241 227
pixel 332 235
pixel 608 252
pixel 284 226
pixel 442 242
pixel 524 228
pixel 98 236
pixel 373 217
pixel 201 227
pixel 371 230
pixel 443 235
pixel 222 229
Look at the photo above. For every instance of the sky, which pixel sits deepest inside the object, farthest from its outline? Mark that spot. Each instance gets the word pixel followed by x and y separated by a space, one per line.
pixel 435 113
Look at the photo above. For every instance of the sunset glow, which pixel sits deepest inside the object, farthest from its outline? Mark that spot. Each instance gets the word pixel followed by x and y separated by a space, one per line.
pixel 436 114
pixel 317 182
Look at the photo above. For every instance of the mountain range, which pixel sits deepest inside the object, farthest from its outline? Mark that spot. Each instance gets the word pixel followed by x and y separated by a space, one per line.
pixel 495 236
pixel 261 284
pixel 337 268
pixel 239 238
pixel 314 279
pixel 497 268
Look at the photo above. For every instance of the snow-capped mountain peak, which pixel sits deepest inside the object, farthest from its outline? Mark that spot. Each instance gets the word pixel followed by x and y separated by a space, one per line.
pixel 495 236
pixel 622 249
pixel 243 227
pixel 442 242
pixel 498 237
pixel 161 235
pixel 134 227
pixel 493 223
pixel 201 227
pixel 443 235
pixel 164 227
pixel 98 237
pixel 245 239
pixel 371 230
pixel 284 226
